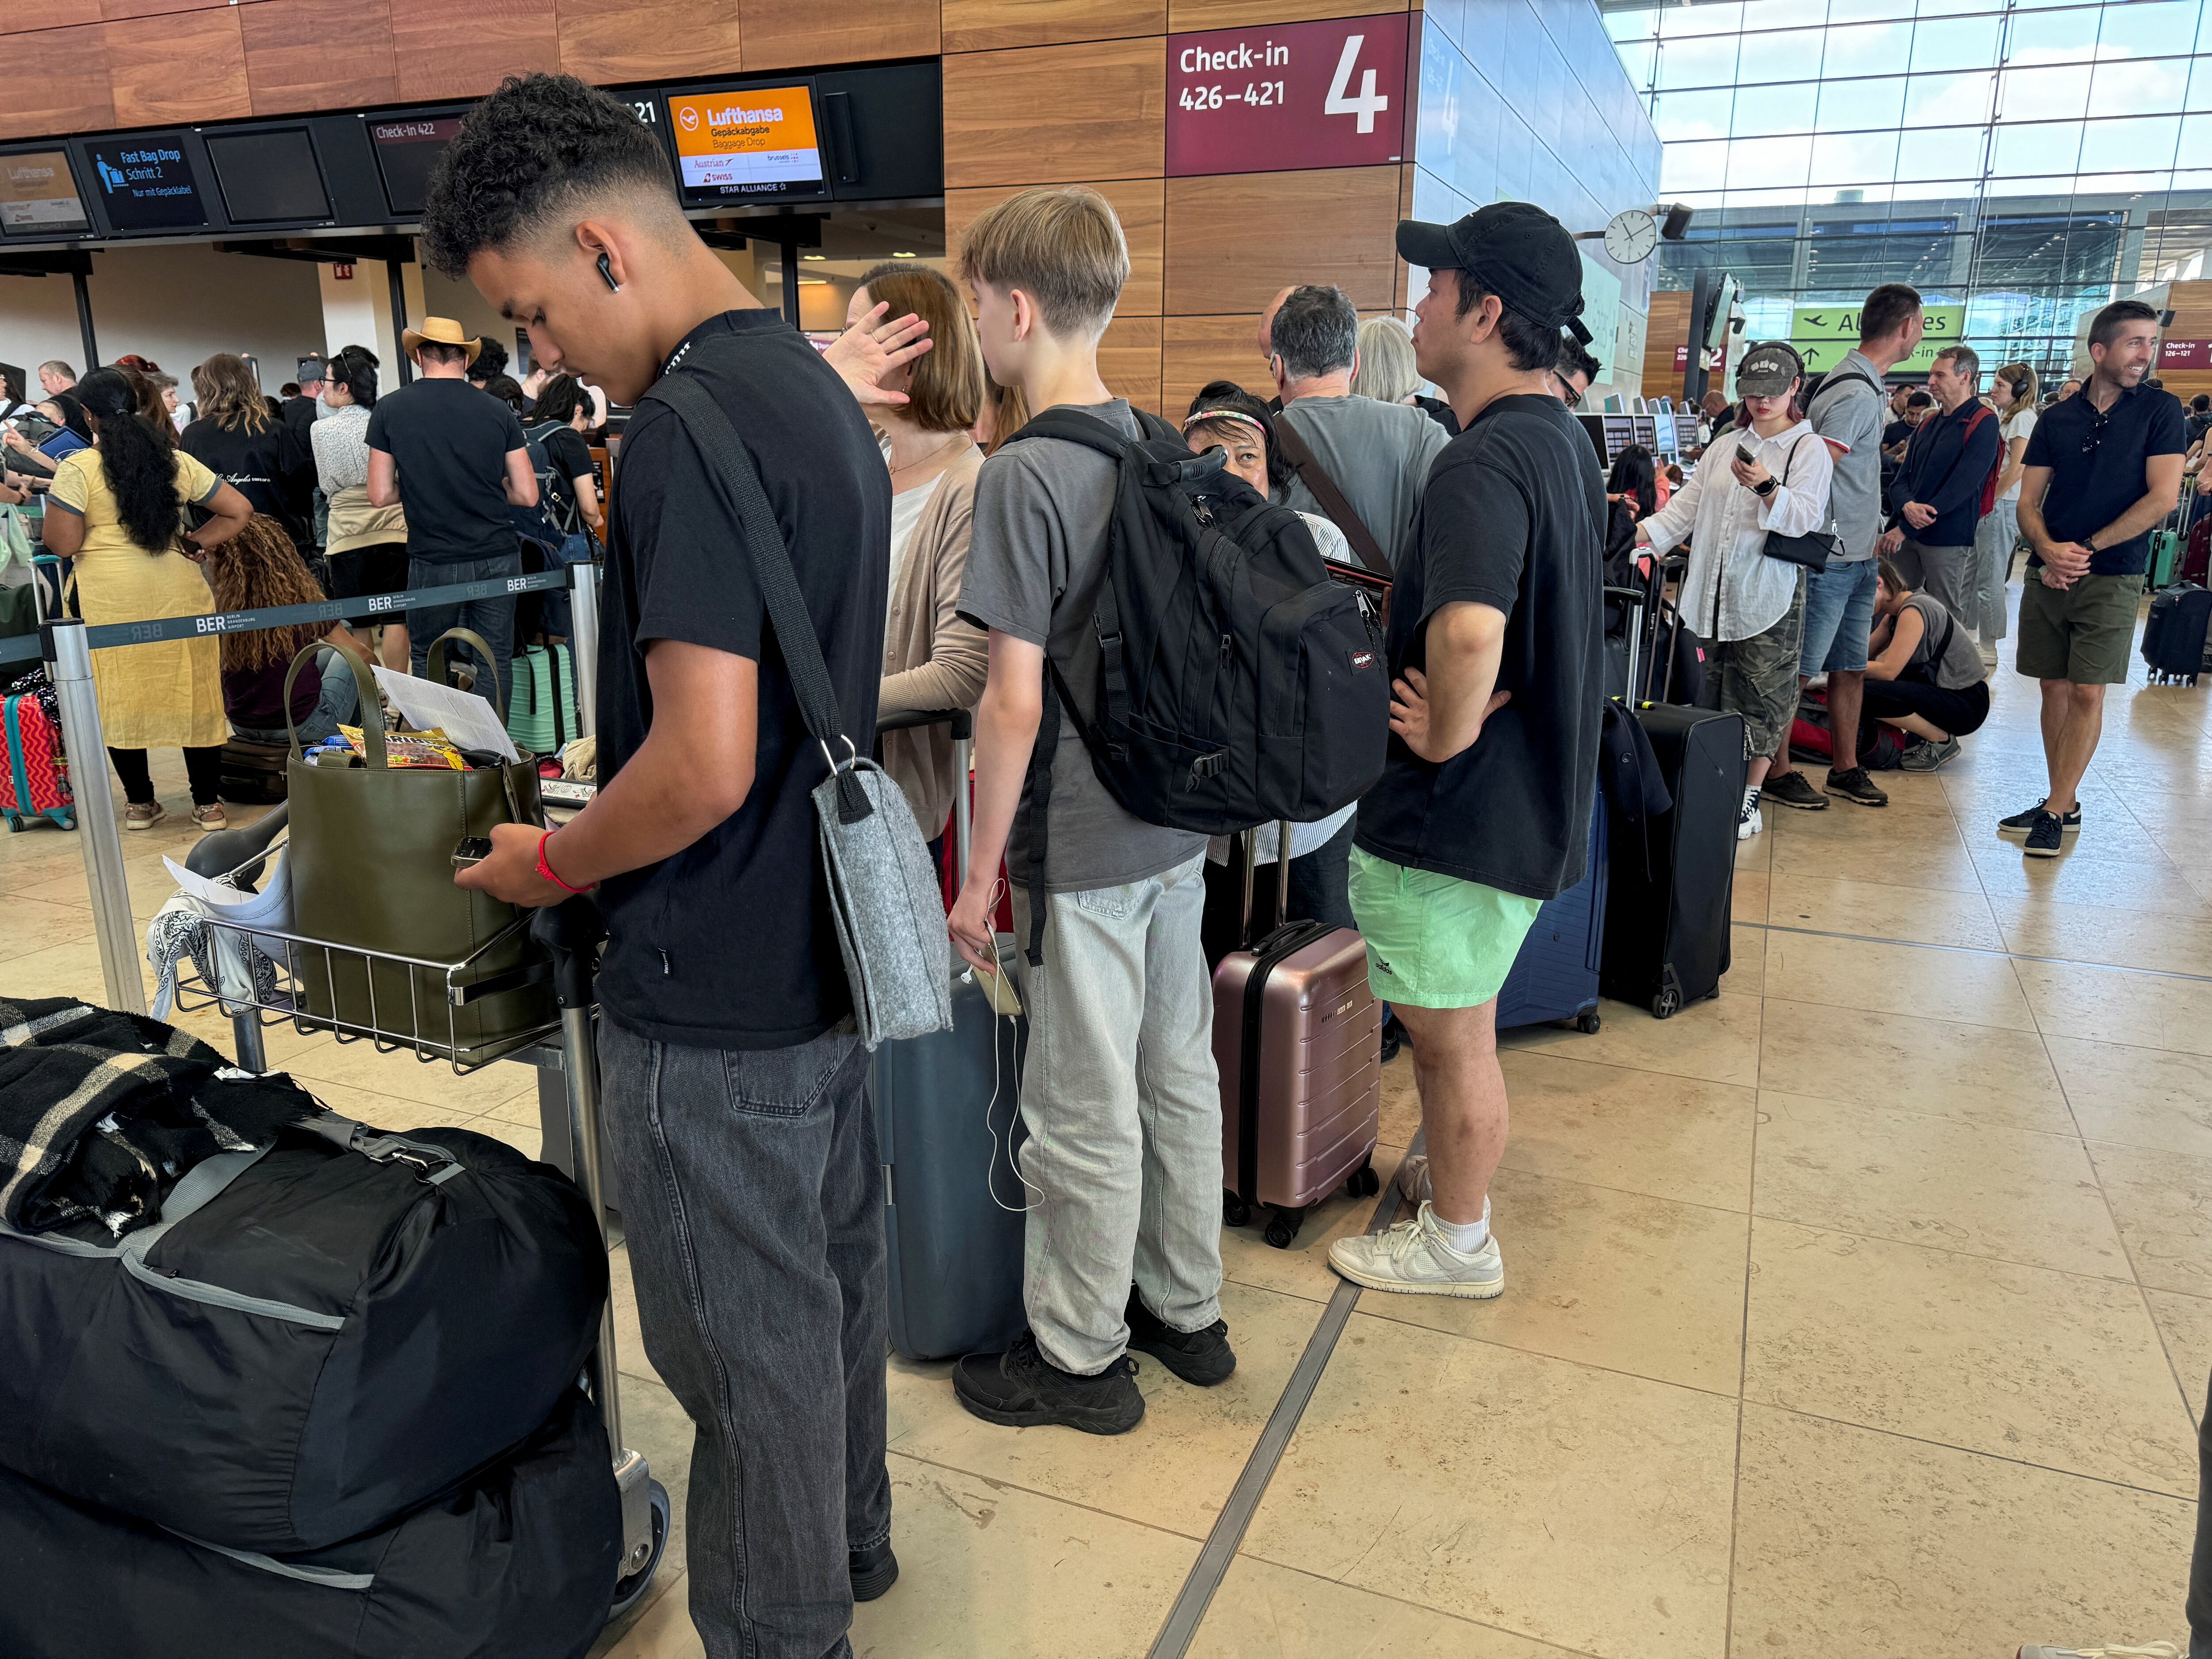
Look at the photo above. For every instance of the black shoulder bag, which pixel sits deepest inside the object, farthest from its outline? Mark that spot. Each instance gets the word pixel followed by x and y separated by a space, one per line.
pixel 1815 548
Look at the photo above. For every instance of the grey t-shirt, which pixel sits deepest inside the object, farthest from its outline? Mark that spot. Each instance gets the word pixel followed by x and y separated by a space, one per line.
pixel 1379 455
pixel 1961 663
pixel 1035 557
pixel 1850 411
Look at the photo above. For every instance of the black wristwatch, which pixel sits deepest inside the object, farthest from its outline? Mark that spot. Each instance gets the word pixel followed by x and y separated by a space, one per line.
pixel 1763 488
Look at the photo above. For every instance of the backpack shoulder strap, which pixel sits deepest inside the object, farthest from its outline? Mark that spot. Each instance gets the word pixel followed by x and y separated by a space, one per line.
pixel 1341 512
pixel 1073 426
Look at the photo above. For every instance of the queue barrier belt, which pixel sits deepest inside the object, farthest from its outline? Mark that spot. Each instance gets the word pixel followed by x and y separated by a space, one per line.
pixel 25 647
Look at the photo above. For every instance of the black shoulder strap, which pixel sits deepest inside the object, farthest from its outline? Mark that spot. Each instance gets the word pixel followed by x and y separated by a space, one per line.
pixel 1075 427
pixel 1341 512
pixel 731 465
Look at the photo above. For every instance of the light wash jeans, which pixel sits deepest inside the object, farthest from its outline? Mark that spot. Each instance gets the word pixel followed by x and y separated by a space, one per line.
pixel 753 1201
pixel 1122 1103
pixel 1993 543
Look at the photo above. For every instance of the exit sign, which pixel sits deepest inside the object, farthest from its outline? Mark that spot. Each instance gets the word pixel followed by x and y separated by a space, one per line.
pixel 1271 100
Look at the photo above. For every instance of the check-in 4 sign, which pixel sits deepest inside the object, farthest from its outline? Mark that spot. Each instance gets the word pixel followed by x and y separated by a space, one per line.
pixel 1270 100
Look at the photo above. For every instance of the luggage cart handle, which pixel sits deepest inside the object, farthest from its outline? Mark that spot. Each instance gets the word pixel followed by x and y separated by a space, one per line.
pixel 572 931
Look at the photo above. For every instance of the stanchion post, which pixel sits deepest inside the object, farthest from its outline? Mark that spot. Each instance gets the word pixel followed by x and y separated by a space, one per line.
pixel 96 817
pixel 584 643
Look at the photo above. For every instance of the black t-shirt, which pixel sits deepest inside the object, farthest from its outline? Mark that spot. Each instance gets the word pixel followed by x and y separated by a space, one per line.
pixel 450 442
pixel 2096 461
pixel 729 944
pixel 571 459
pixel 1513 518
pixel 249 462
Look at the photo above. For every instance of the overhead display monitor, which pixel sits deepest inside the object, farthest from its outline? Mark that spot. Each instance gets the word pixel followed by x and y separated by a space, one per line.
pixel 145 182
pixel 407 147
pixel 750 140
pixel 269 178
pixel 38 195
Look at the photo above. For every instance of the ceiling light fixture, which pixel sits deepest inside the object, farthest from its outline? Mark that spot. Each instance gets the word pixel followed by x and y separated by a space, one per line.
pixel 903 256
pixel 813 256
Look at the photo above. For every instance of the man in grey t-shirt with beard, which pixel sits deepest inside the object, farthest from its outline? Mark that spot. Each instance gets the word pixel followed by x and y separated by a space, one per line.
pixel 1119 1092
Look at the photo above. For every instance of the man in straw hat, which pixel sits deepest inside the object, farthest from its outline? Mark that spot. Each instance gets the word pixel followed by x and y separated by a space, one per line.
pixel 456 461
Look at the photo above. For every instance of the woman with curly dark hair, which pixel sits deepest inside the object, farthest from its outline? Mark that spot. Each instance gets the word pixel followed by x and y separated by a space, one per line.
pixel 258 569
pixel 239 440
pixel 114 511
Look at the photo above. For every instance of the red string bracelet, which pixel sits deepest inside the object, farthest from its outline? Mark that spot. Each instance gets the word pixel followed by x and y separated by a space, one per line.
pixel 546 870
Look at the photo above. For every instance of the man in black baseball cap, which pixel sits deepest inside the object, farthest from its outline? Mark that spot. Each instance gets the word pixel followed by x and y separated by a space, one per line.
pixel 1484 808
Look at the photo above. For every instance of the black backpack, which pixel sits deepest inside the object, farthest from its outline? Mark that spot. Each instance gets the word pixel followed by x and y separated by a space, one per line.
pixel 538 525
pixel 1237 685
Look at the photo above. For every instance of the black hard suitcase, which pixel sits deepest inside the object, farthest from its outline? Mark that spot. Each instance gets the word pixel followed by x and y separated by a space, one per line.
pixel 947 1123
pixel 1670 886
pixel 312 1341
pixel 2174 632
pixel 517 1562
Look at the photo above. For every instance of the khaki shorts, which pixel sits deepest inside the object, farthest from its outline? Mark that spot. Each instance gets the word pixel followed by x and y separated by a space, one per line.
pixel 1434 941
pixel 2081 633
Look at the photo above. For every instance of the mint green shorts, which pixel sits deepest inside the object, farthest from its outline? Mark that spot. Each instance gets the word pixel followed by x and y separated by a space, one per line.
pixel 1436 941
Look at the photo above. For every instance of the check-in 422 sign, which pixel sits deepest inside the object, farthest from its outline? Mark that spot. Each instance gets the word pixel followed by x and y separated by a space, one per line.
pixel 1269 99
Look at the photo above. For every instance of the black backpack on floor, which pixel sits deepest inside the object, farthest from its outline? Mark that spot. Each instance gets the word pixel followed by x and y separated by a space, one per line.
pixel 1237 683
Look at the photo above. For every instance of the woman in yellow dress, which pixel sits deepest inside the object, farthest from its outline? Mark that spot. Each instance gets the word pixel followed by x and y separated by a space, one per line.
pixel 115 509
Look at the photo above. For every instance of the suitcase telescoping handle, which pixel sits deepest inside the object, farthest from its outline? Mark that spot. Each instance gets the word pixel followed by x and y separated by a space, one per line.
pixel 962 722
pixel 1251 875
pixel 1632 598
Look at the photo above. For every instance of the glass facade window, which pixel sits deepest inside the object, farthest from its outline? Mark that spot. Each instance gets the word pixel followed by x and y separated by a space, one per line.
pixel 2028 160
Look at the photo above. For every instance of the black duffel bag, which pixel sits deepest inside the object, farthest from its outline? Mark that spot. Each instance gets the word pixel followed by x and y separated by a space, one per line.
pixel 315 1338
pixel 518 1563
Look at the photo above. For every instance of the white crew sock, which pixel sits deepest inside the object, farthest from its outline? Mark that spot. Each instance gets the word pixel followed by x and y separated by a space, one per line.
pixel 1467 1237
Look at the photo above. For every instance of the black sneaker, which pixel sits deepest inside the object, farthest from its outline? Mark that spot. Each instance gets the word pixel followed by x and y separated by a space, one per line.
pixel 1021 1389
pixel 1203 1358
pixel 1793 789
pixel 871 1571
pixel 2021 822
pixel 1855 784
pixel 2047 840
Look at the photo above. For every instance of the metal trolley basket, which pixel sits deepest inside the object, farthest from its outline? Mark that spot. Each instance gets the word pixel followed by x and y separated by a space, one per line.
pixel 571 933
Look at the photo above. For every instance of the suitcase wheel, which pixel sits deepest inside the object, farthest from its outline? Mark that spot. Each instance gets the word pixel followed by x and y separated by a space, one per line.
pixel 15 823
pixel 1235 1211
pixel 1283 1227
pixel 1667 1004
pixel 1364 1183
pixel 1587 1023
pixel 631 1587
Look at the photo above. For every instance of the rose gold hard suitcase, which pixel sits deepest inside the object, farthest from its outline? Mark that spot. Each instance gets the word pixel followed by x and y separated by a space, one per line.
pixel 1297 1037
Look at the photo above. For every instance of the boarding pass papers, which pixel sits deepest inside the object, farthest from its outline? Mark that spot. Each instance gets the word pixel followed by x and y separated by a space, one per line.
pixel 465 717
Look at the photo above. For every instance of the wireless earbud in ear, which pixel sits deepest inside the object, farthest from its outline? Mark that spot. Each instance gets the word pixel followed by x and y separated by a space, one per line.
pixel 607 276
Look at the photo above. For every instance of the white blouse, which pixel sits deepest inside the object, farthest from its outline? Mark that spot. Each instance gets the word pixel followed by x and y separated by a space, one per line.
pixel 1732 589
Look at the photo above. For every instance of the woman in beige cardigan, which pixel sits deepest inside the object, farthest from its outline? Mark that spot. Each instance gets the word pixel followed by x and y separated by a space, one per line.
pixel 931 659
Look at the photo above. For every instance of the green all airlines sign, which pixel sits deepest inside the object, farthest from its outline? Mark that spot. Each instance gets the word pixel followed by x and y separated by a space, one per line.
pixel 1822 334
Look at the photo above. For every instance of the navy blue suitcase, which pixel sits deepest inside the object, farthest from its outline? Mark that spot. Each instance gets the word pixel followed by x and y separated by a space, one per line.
pixel 948 1121
pixel 1555 976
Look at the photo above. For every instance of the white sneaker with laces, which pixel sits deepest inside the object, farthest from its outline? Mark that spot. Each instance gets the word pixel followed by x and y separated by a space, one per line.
pixel 1413 1178
pixel 2149 1651
pixel 1413 1257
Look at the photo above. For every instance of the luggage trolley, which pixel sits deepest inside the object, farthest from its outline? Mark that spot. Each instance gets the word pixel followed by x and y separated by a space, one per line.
pixel 571 933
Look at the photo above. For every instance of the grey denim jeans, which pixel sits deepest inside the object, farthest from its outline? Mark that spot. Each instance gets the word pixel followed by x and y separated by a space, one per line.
pixel 1122 1103
pixel 753 1205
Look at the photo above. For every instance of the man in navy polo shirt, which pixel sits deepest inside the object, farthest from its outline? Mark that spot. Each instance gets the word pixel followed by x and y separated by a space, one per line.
pixel 1936 495
pixel 2101 469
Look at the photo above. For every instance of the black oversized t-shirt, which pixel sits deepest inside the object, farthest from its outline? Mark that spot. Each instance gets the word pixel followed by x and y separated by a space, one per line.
pixel 729 944
pixel 1513 518
pixel 450 442
pixel 248 463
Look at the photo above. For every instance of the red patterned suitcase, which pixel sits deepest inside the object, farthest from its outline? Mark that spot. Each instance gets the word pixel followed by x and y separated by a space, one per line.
pixel 1297 1039
pixel 34 778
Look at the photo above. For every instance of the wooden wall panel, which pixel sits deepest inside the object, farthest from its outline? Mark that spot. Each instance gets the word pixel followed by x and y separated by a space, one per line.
pixel 445 51
pixel 1129 360
pixel 1137 203
pixel 1666 327
pixel 1056 114
pixel 1234 240
pixel 57 82
pixel 188 67
pixel 992 25
pixel 1196 349
pixel 117 11
pixel 612 41
pixel 1184 15
pixel 61 14
pixel 785 33
pixel 317 54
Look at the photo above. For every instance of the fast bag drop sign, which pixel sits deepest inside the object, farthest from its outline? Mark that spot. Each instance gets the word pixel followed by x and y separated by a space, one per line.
pixel 1273 99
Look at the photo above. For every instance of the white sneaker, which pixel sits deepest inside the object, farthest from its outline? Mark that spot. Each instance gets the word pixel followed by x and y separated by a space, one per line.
pixel 1751 822
pixel 1413 1178
pixel 1413 1257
